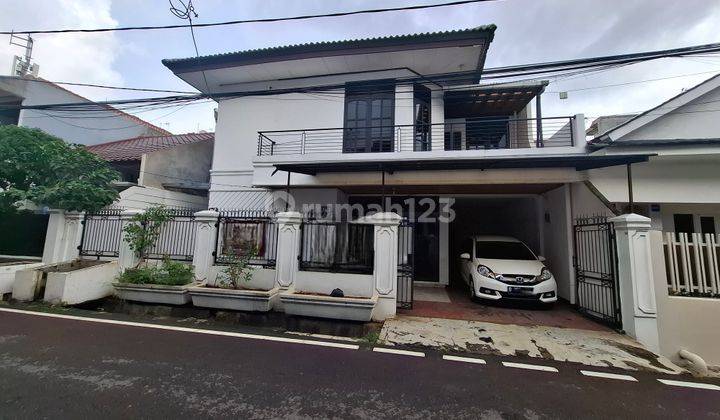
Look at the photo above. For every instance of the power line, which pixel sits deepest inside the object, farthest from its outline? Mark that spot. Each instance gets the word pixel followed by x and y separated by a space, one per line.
pixel 136 89
pixel 635 82
pixel 239 22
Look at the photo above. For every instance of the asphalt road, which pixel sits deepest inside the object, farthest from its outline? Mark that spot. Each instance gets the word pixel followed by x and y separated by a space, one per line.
pixel 61 368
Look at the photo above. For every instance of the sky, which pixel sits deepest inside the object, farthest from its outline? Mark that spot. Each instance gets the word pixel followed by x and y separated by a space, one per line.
pixel 528 32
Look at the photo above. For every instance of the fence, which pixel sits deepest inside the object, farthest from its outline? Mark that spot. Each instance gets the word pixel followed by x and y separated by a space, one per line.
pixel 338 247
pixel 692 264
pixel 177 237
pixel 406 267
pixel 240 232
pixel 101 234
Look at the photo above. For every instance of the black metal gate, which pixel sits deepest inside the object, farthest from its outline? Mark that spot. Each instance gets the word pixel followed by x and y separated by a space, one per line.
pixel 406 265
pixel 101 234
pixel 595 262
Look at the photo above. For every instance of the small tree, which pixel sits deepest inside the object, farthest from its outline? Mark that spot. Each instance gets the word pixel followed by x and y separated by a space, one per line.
pixel 238 270
pixel 44 169
pixel 144 230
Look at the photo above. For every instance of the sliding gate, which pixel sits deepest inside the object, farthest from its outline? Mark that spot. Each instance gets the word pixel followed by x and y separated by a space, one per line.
pixel 595 262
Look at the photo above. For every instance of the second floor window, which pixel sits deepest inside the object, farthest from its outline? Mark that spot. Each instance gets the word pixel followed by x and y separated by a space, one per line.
pixel 369 117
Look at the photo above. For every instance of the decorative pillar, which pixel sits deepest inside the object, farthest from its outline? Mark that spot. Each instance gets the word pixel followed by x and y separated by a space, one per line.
pixel 205 240
pixel 578 131
pixel 288 248
pixel 53 249
pixel 385 264
pixel 127 258
pixel 73 234
pixel 635 279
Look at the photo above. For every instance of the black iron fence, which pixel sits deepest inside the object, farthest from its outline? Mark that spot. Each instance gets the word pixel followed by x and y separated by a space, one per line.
pixel 338 247
pixel 595 263
pixel 101 234
pixel 246 232
pixel 177 237
pixel 406 266
pixel 471 134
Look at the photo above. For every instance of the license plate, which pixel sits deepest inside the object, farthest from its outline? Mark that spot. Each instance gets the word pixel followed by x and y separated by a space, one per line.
pixel 520 290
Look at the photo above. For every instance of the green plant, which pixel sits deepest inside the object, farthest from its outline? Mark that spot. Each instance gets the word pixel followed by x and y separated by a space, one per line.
pixel 144 230
pixel 238 270
pixel 169 273
pixel 45 170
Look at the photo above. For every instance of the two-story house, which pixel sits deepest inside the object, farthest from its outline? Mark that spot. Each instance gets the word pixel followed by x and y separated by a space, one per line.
pixel 401 122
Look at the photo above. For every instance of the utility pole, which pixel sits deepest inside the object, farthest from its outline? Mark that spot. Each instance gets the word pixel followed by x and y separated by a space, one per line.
pixel 22 65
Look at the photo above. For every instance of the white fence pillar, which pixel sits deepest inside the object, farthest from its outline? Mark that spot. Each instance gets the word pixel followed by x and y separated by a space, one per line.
pixel 73 234
pixel 53 250
pixel 635 279
pixel 288 248
pixel 385 264
pixel 206 225
pixel 127 258
pixel 578 131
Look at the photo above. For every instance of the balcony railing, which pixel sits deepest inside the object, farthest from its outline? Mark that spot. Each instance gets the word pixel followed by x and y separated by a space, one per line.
pixel 481 134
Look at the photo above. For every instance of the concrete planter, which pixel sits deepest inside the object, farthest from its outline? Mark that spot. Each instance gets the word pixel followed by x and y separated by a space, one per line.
pixel 8 270
pixel 154 293
pixel 83 285
pixel 234 299
pixel 320 306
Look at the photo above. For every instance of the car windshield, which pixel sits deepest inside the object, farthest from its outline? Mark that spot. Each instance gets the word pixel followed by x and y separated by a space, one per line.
pixel 502 250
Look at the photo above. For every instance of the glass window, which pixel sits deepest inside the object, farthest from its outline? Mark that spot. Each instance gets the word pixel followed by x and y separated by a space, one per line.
pixel 502 250
pixel 707 225
pixel 684 224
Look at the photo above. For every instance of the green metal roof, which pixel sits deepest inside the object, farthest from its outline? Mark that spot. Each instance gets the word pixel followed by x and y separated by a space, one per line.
pixel 297 51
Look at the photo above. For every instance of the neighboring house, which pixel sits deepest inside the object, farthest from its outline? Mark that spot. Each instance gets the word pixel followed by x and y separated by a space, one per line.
pixel 679 188
pixel 98 124
pixel 173 170
pixel 401 117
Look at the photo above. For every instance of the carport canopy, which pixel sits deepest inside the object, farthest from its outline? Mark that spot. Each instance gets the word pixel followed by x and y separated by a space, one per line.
pixel 579 162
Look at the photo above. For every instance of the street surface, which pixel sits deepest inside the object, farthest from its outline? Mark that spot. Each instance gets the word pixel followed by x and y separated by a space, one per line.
pixel 65 368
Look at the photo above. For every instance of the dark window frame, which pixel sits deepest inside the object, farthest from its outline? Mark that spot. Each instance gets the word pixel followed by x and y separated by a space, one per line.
pixel 369 137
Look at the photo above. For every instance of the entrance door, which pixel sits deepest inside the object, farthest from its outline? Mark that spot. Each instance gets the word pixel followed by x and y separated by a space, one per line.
pixel 596 270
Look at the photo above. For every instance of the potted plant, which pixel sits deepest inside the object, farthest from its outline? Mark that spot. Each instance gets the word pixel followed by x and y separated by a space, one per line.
pixel 239 287
pixel 166 283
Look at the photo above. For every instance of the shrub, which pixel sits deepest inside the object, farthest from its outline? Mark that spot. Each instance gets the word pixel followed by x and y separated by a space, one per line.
pixel 169 273
pixel 238 270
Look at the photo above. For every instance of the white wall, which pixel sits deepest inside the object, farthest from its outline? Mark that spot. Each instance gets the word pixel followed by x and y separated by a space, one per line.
pixel 143 197
pixel 180 164
pixel 80 128
pixel 586 203
pixel 558 240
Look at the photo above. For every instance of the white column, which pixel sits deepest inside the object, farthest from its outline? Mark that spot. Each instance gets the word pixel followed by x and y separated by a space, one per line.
pixel 437 118
pixel 73 235
pixel 635 280
pixel 288 249
pixel 127 258
pixel 205 240
pixel 404 116
pixel 578 131
pixel 52 251
pixel 385 264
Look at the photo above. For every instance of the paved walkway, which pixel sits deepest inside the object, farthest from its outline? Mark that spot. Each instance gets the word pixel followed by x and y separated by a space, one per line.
pixel 431 302
pixel 593 348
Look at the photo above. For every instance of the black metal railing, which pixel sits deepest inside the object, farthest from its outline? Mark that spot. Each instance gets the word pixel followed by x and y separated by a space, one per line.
pixel 406 264
pixel 240 232
pixel 475 134
pixel 177 237
pixel 101 234
pixel 338 247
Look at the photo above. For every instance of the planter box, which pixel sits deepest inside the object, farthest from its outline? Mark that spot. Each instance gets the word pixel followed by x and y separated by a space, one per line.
pixel 30 283
pixel 154 293
pixel 7 273
pixel 321 306
pixel 236 300
pixel 82 285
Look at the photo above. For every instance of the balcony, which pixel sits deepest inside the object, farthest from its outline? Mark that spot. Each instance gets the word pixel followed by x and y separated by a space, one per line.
pixel 468 135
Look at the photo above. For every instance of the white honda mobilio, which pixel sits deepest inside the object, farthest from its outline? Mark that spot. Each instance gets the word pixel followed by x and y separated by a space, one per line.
pixel 501 267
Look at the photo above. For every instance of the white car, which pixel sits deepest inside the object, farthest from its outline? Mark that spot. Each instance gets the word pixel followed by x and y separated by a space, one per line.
pixel 501 267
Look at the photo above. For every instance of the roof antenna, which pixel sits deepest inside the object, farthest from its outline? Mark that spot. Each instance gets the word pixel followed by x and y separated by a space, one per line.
pixel 21 65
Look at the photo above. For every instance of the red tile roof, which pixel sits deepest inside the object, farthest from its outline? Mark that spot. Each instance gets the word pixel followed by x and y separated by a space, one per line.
pixel 133 149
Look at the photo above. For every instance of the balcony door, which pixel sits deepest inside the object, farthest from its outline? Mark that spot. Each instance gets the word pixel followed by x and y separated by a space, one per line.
pixel 369 118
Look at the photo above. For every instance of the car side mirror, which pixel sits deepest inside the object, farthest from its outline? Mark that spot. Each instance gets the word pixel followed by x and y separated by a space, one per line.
pixel 541 258
pixel 464 256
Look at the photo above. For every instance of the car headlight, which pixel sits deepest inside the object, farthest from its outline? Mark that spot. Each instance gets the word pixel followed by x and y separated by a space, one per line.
pixel 485 271
pixel 545 274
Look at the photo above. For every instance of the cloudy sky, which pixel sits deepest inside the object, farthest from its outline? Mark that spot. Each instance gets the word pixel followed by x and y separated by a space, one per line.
pixel 528 31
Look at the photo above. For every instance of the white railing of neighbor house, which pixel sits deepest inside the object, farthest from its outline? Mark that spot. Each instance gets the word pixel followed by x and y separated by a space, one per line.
pixel 692 263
